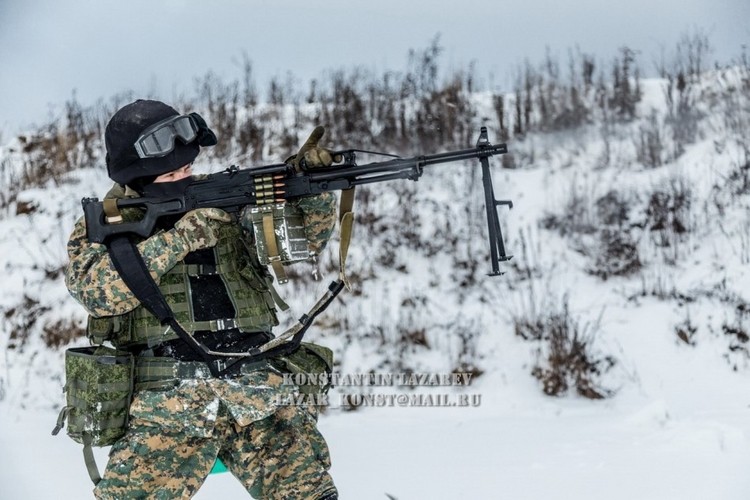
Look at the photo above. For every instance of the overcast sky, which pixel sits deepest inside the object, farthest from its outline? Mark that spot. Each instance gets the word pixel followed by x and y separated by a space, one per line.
pixel 49 48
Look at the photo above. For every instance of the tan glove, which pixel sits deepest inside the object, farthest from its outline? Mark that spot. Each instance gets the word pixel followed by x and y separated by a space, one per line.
pixel 199 228
pixel 312 154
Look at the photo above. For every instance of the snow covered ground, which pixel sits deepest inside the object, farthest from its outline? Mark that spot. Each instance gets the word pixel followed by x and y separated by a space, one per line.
pixel 516 445
pixel 676 427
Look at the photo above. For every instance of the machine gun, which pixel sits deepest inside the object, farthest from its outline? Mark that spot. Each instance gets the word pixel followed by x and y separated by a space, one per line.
pixel 269 186
pixel 235 188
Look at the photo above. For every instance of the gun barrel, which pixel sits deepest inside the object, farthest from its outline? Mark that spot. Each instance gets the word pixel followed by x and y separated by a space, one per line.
pixel 405 164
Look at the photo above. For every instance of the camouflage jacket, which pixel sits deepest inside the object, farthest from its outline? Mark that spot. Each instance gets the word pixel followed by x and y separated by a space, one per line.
pixel 93 281
pixel 192 405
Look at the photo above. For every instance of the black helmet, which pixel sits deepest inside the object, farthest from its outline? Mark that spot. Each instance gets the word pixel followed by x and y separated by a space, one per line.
pixel 124 164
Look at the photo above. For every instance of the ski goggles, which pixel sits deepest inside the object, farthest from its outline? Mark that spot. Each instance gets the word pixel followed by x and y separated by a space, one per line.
pixel 159 139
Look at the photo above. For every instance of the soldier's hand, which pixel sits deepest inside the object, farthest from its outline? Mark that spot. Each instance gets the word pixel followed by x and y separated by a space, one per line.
pixel 199 228
pixel 310 155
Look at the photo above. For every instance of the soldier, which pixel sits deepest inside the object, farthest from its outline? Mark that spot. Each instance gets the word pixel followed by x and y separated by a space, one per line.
pixel 206 268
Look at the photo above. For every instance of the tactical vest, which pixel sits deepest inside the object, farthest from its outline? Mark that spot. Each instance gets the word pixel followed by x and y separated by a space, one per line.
pixel 248 286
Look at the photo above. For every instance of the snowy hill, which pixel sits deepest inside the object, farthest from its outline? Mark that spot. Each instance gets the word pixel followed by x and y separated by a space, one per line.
pixel 627 302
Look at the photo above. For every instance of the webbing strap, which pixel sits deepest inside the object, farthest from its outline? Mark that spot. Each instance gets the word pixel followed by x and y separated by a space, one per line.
pixel 111 405
pixel 159 370
pixel 101 387
pixel 88 457
pixel 152 369
pixel 61 419
pixel 283 306
pixel 202 269
pixel 214 325
pixel 280 345
pixel 346 221
pixel 269 233
pixel 116 422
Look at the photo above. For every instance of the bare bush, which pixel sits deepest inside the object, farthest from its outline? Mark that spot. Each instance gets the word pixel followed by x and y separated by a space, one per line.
pixel 467 356
pixel 738 334
pixel 626 91
pixel 613 209
pixel 616 254
pixel 649 144
pixel 546 100
pixel 221 101
pixel 668 216
pixel 61 332
pixel 682 72
pixel 51 151
pixel 686 331
pixel 22 320
pixel 577 215
pixel 738 180
pixel 692 53
pixel 610 241
pixel 567 360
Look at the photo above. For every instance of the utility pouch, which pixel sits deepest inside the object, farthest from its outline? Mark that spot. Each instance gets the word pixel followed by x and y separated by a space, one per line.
pixel 279 232
pixel 314 362
pixel 108 328
pixel 99 330
pixel 99 387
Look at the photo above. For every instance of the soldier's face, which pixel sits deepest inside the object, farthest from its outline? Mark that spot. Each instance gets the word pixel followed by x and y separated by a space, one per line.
pixel 176 175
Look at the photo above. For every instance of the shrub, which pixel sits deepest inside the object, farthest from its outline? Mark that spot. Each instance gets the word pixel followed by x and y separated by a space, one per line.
pixel 668 213
pixel 567 359
pixel 686 331
pixel 649 144
pixel 738 334
pixel 616 254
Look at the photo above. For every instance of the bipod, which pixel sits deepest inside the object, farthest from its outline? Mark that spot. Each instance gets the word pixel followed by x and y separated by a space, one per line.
pixel 497 246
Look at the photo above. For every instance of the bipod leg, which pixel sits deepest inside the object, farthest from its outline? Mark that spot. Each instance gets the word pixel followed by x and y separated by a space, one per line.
pixel 497 246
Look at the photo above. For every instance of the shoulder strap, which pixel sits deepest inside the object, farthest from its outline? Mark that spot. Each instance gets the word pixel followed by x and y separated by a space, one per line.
pixel 89 460
pixel 129 263
pixel 346 221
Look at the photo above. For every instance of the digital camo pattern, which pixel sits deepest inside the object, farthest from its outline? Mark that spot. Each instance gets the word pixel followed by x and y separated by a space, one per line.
pixel 93 281
pixel 191 408
pixel 175 436
pixel 91 277
pixel 309 359
pixel 200 228
pixel 319 219
pixel 98 389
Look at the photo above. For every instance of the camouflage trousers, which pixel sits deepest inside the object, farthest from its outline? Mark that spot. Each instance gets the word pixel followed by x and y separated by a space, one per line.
pixel 282 456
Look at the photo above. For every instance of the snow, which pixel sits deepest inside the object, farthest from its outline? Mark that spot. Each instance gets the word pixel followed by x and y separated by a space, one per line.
pixel 514 446
pixel 676 427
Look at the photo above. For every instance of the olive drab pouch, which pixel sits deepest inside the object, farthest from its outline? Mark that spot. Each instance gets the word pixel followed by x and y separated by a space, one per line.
pixel 280 238
pixel 107 328
pixel 99 330
pixel 99 388
pixel 314 362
